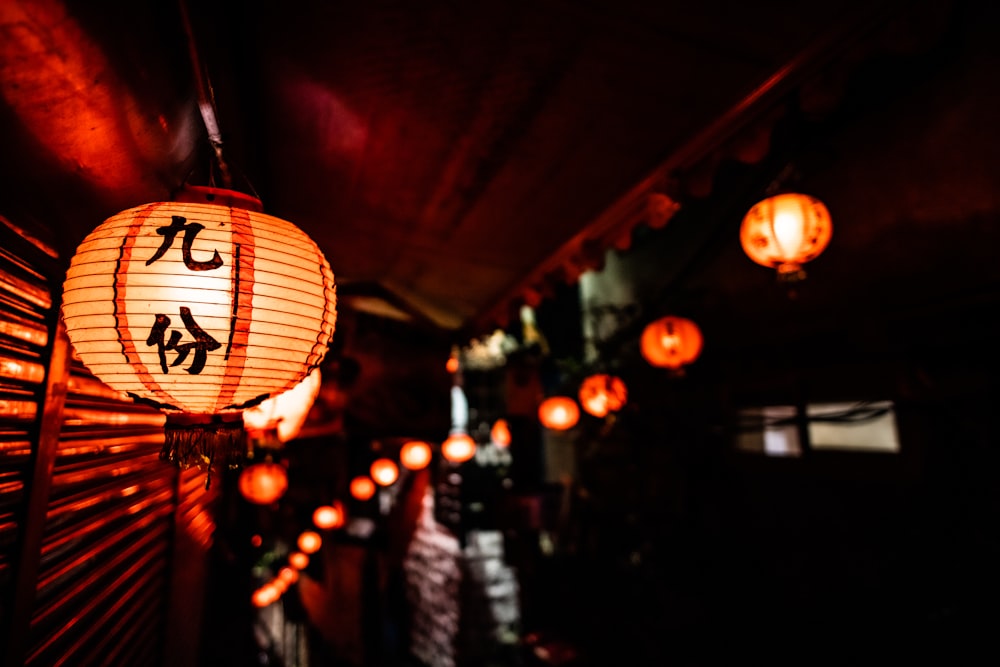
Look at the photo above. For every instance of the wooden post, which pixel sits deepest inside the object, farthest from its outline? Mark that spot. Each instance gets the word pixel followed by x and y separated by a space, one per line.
pixel 42 460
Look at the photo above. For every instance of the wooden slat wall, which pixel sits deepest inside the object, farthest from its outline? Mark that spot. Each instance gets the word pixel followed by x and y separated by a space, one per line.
pixel 25 306
pixel 103 569
pixel 91 521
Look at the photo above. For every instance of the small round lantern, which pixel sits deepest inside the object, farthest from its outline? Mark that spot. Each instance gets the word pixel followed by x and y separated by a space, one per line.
pixel 309 542
pixel 202 308
pixel 785 231
pixel 289 575
pixel 384 472
pixel 458 448
pixel 264 596
pixel 329 517
pixel 500 433
pixel 671 342
pixel 298 560
pixel 263 483
pixel 601 394
pixel 362 488
pixel 415 455
pixel 558 413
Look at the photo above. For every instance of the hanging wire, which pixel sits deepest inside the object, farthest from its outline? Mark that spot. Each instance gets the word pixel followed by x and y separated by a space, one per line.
pixel 206 100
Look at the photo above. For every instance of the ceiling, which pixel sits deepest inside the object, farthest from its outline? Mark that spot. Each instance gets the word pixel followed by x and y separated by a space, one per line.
pixel 450 158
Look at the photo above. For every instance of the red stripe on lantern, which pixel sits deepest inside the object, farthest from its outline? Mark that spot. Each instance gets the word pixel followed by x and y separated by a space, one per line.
pixel 326 331
pixel 244 248
pixel 121 319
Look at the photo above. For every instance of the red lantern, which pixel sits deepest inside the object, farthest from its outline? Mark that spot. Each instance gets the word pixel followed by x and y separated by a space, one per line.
pixel 298 560
pixel 309 542
pixel 558 413
pixel 289 575
pixel 362 487
pixel 500 433
pixel 458 448
pixel 785 231
pixel 200 309
pixel 265 595
pixel 263 483
pixel 329 517
pixel 671 342
pixel 384 472
pixel 601 394
pixel 415 455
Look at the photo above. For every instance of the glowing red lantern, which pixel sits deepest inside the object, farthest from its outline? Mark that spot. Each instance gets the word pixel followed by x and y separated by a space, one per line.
pixel 558 413
pixel 265 595
pixel 601 394
pixel 329 517
pixel 202 310
pixel 309 542
pixel 500 433
pixel 458 448
pixel 289 575
pixel 384 472
pixel 298 560
pixel 452 365
pixel 671 342
pixel 263 483
pixel 415 455
pixel 785 231
pixel 362 487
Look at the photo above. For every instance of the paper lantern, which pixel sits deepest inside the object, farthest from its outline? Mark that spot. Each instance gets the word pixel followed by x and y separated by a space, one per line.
pixel 263 483
pixel 671 342
pixel 264 596
pixel 289 575
pixel 202 310
pixel 309 542
pixel 558 413
pixel 298 560
pixel 458 448
pixel 785 231
pixel 287 411
pixel 601 394
pixel 415 455
pixel 362 487
pixel 384 472
pixel 329 517
pixel 500 433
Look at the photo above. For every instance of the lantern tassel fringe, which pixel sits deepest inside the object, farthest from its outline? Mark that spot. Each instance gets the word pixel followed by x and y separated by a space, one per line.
pixel 204 441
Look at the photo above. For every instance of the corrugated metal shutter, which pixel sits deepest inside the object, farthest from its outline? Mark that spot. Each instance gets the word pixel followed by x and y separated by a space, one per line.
pixel 195 531
pixel 102 577
pixel 25 303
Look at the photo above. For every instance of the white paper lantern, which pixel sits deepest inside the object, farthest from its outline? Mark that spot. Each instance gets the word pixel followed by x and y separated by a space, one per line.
pixel 286 412
pixel 201 310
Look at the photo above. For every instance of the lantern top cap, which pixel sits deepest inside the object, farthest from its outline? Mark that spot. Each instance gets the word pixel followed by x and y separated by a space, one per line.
pixel 202 194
